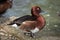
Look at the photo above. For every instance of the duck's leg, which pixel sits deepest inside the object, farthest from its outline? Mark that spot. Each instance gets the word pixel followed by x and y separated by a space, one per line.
pixel 26 33
pixel 29 34
pixel 32 34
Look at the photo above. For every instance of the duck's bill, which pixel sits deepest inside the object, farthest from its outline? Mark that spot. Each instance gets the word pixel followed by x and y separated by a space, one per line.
pixel 42 11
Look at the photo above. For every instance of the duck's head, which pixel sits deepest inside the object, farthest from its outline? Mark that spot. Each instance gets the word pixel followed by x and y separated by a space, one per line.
pixel 4 5
pixel 2 1
pixel 35 10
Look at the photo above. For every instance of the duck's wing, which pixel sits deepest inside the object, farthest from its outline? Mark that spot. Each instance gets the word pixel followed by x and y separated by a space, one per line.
pixel 22 19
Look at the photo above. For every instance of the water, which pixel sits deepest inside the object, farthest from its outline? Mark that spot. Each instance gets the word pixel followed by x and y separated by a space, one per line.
pixel 23 7
pixel 51 12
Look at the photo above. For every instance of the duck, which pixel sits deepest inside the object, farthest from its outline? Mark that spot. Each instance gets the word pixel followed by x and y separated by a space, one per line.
pixel 30 24
pixel 4 5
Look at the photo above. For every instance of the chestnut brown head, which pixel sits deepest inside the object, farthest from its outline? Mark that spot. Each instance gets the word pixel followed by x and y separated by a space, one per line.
pixel 2 1
pixel 36 9
pixel 4 5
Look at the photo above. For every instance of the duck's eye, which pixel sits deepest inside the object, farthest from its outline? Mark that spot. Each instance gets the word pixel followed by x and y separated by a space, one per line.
pixel 38 8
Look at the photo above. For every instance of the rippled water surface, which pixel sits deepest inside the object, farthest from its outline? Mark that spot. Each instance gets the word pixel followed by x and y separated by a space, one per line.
pixel 51 13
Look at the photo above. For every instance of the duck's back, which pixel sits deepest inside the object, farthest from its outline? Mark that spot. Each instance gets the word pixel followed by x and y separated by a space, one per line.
pixel 23 18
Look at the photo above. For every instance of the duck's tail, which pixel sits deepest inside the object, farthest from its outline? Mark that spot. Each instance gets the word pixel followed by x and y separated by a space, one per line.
pixel 13 23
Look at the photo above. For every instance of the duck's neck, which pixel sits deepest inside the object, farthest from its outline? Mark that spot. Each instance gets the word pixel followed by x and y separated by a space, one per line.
pixel 35 15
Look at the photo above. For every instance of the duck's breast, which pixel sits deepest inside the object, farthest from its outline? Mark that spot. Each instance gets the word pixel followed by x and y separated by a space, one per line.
pixel 41 22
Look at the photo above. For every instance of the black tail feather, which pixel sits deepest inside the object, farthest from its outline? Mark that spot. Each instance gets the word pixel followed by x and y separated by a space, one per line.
pixel 14 23
pixel 10 23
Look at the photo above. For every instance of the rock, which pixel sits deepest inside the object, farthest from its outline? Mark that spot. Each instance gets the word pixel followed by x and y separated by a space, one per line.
pixel 13 31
